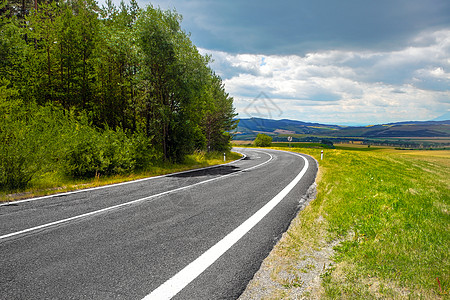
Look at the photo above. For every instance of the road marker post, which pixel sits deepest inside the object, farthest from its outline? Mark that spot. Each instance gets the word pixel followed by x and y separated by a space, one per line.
pixel 321 155
pixel 224 157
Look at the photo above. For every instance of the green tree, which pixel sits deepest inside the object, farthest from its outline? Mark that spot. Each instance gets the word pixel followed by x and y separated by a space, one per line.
pixel 327 144
pixel 116 69
pixel 173 76
pixel 85 91
pixel 219 116
pixel 263 140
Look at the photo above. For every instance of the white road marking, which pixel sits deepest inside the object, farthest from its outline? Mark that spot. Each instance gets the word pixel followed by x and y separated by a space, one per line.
pixel 180 280
pixel 127 203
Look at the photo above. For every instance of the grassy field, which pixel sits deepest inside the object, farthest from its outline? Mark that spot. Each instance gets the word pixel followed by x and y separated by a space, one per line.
pixel 386 214
pixel 51 183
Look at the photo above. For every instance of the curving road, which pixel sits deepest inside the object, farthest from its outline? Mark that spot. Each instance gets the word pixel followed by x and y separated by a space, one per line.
pixel 192 235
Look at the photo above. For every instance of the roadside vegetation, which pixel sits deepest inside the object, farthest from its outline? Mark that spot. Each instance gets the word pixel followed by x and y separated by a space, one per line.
pixel 55 181
pixel 262 140
pixel 385 212
pixel 89 92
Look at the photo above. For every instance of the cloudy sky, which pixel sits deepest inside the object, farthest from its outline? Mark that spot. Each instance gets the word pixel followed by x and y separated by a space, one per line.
pixel 327 61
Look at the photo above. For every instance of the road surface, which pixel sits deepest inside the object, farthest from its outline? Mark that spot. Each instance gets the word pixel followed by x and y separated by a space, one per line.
pixel 191 235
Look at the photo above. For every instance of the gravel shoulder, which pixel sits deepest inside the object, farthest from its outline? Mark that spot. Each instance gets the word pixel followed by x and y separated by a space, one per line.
pixel 293 277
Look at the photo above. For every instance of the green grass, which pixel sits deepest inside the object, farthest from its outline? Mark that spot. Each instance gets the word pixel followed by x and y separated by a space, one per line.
pixel 285 145
pixel 53 182
pixel 390 208
pixel 298 145
pixel 397 208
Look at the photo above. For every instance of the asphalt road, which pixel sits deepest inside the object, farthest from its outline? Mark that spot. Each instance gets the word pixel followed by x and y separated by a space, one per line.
pixel 149 238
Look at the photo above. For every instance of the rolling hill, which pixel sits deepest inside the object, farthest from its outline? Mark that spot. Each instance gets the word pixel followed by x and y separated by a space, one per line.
pixel 248 128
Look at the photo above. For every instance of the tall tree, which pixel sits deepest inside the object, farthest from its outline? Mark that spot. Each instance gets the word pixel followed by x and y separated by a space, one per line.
pixel 117 68
pixel 219 114
pixel 170 63
pixel 122 69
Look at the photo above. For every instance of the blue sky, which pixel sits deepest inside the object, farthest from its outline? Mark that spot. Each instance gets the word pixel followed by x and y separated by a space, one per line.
pixel 327 61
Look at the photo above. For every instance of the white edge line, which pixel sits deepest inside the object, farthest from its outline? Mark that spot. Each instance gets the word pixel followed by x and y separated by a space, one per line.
pixel 120 183
pixel 180 280
pixel 43 226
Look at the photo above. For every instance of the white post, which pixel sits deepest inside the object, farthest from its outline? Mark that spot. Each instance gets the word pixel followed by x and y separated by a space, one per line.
pixel 224 157
pixel 321 155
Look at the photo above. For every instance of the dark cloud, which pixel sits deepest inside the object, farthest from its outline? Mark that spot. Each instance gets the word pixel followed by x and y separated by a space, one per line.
pixel 349 61
pixel 298 27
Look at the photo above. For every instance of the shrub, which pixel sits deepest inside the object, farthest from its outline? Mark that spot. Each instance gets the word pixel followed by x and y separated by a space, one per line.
pixel 85 159
pixel 105 152
pixel 263 140
pixel 20 146
pixel 144 153
pixel 39 140
pixel 327 144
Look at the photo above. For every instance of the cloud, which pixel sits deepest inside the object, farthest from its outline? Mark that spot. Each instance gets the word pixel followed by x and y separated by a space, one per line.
pixel 328 61
pixel 300 27
pixel 340 86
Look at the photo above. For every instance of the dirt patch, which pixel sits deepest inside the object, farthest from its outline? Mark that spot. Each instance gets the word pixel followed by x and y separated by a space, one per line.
pixel 276 280
pixel 292 278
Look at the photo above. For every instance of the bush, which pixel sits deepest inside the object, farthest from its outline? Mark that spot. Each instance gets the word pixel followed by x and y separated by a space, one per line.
pixel 327 144
pixel 263 140
pixel 21 147
pixel 144 154
pixel 85 159
pixel 106 152
pixel 38 140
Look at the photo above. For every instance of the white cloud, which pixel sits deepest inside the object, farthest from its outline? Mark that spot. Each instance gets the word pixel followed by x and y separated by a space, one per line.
pixel 346 86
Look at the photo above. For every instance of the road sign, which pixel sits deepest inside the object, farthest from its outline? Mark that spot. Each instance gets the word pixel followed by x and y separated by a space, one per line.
pixel 290 140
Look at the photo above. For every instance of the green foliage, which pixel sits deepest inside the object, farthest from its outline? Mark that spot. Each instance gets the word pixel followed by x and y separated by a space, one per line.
pixel 27 136
pixel 219 116
pixel 44 139
pixel 263 140
pixel 327 144
pixel 176 77
pixel 105 152
pixel 88 91
pixel 86 158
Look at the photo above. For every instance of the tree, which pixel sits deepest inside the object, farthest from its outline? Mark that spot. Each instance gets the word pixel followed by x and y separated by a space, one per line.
pixel 118 87
pixel 173 77
pixel 116 69
pixel 327 144
pixel 219 116
pixel 263 140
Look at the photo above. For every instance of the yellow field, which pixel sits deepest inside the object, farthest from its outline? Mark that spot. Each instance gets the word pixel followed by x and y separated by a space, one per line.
pixel 429 153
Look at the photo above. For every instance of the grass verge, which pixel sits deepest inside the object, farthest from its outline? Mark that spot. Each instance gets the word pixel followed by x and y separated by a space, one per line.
pixel 52 183
pixel 389 212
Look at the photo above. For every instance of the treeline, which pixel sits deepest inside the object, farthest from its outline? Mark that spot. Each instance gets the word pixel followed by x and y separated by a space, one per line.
pixel 87 90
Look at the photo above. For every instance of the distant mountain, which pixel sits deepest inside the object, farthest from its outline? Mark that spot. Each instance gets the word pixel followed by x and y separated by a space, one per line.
pixel 400 130
pixel 444 117
pixel 289 126
pixel 433 122
pixel 248 128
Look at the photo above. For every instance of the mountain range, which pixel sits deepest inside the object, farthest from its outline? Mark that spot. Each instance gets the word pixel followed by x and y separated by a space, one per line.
pixel 248 128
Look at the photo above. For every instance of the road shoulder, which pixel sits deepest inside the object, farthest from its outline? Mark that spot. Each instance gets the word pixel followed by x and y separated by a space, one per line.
pixel 281 276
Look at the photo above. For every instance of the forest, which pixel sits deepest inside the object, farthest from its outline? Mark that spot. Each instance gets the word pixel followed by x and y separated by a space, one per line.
pixel 88 90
